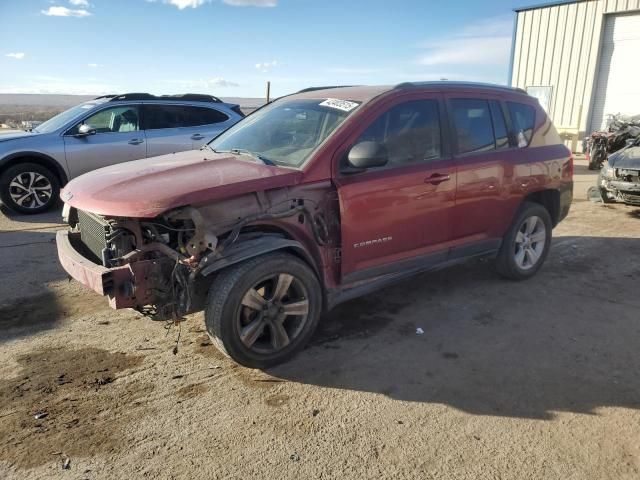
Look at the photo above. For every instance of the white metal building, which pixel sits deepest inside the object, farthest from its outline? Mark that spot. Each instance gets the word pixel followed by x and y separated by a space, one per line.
pixel 581 59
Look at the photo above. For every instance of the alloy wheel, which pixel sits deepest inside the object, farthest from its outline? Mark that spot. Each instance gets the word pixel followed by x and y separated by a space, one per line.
pixel 272 313
pixel 30 190
pixel 530 242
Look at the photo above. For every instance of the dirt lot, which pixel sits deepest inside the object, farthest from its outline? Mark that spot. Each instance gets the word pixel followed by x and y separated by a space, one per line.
pixel 510 380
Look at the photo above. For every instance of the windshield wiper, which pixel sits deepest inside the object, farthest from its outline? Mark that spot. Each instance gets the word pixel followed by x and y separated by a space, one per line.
pixel 242 151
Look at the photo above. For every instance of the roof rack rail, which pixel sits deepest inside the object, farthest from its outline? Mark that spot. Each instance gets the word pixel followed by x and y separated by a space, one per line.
pixel 458 84
pixel 188 97
pixel 313 89
pixel 193 97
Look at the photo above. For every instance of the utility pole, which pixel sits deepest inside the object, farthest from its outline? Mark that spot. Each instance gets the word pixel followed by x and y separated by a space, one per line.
pixel 268 91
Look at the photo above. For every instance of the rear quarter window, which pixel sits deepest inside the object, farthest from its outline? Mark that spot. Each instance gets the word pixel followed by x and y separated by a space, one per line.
pixel 523 119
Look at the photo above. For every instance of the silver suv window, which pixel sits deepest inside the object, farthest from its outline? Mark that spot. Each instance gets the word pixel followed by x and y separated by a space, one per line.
pixel 176 116
pixel 123 118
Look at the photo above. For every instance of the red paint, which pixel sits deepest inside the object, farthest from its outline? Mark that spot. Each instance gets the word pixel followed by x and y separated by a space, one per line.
pixel 146 188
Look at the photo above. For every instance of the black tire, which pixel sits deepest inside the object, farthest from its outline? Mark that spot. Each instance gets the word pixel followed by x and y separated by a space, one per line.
pixel 224 312
pixel 506 263
pixel 35 203
pixel 597 158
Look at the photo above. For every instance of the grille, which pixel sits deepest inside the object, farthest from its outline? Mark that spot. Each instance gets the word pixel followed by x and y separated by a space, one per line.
pixel 93 232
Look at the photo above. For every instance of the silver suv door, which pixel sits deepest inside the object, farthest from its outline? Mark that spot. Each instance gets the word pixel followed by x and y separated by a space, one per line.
pixel 173 127
pixel 114 136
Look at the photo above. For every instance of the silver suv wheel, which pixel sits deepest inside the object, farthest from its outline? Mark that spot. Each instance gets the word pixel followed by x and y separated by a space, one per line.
pixel 30 190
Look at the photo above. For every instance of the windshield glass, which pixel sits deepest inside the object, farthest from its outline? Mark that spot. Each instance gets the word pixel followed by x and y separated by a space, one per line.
pixel 61 119
pixel 287 132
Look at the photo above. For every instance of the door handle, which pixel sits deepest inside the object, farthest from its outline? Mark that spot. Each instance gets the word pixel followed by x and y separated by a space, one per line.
pixel 437 178
pixel 135 141
pixel 197 136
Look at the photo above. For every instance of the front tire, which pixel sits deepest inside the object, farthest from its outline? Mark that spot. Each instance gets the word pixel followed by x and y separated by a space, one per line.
pixel 526 244
pixel 29 188
pixel 262 311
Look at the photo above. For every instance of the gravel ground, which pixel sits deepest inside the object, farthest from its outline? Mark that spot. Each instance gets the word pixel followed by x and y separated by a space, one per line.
pixel 536 379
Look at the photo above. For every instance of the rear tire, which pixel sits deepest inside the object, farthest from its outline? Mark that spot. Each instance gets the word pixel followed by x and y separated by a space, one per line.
pixel 261 312
pixel 526 244
pixel 29 188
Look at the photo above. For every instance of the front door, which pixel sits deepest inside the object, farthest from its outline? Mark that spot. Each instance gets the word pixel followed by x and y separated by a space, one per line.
pixel 117 139
pixel 398 216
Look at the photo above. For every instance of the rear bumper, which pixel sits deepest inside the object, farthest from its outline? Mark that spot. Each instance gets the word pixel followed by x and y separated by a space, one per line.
pixel 566 197
pixel 125 287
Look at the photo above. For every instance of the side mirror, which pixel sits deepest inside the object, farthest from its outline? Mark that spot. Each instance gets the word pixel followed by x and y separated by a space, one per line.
pixel 365 155
pixel 85 130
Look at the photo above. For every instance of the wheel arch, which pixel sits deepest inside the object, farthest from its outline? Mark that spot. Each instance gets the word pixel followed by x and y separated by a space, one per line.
pixel 37 158
pixel 245 249
pixel 549 199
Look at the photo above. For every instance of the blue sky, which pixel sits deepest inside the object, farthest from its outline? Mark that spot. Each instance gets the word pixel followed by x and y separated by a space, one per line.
pixel 232 47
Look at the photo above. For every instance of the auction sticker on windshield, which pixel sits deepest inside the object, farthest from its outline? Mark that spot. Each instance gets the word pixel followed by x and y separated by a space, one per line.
pixel 344 105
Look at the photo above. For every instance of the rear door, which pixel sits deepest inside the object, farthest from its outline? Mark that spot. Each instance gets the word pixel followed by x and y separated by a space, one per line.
pixel 482 151
pixel 174 127
pixel 208 123
pixel 398 216
pixel 118 138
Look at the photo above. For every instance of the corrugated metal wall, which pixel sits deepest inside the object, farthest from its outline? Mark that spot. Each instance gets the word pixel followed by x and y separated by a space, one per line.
pixel 558 46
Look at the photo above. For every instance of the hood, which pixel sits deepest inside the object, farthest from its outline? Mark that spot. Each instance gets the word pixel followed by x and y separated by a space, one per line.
pixel 146 188
pixel 628 157
pixel 5 137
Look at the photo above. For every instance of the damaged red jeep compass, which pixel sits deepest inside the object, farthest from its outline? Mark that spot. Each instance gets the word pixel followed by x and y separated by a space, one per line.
pixel 315 199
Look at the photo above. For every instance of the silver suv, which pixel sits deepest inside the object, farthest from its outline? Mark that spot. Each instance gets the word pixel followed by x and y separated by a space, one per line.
pixel 104 131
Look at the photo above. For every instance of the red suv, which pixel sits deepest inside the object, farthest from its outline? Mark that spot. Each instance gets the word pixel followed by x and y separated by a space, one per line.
pixel 317 198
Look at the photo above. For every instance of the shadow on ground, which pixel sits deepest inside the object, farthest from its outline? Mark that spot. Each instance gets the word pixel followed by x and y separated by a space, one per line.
pixel 566 340
pixel 52 216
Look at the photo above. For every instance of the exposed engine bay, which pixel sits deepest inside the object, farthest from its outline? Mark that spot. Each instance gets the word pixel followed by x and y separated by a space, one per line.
pixel 169 256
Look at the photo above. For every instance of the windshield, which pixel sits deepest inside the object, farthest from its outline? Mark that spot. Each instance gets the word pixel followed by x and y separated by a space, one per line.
pixel 61 119
pixel 287 132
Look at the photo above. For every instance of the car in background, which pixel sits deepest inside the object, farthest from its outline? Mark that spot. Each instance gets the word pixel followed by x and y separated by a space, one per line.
pixel 107 130
pixel 619 179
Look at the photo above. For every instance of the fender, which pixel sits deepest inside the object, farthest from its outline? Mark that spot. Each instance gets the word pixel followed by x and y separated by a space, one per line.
pixel 41 158
pixel 252 247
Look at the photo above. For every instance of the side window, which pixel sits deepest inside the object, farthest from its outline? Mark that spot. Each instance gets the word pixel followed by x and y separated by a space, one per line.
pixel 178 116
pixel 409 131
pixel 499 125
pixel 523 120
pixel 472 120
pixel 164 116
pixel 111 120
pixel 205 116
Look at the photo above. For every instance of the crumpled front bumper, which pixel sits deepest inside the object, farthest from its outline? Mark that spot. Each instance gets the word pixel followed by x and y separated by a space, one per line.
pixel 125 287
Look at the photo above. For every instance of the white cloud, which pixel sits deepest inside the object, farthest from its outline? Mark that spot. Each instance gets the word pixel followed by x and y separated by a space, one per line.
pixel 16 55
pixel 65 12
pixel 79 3
pixel 486 42
pixel 265 67
pixel 182 4
pixel 251 3
pixel 94 65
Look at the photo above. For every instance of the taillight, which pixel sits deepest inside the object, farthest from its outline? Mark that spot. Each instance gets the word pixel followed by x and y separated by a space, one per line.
pixel 569 167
